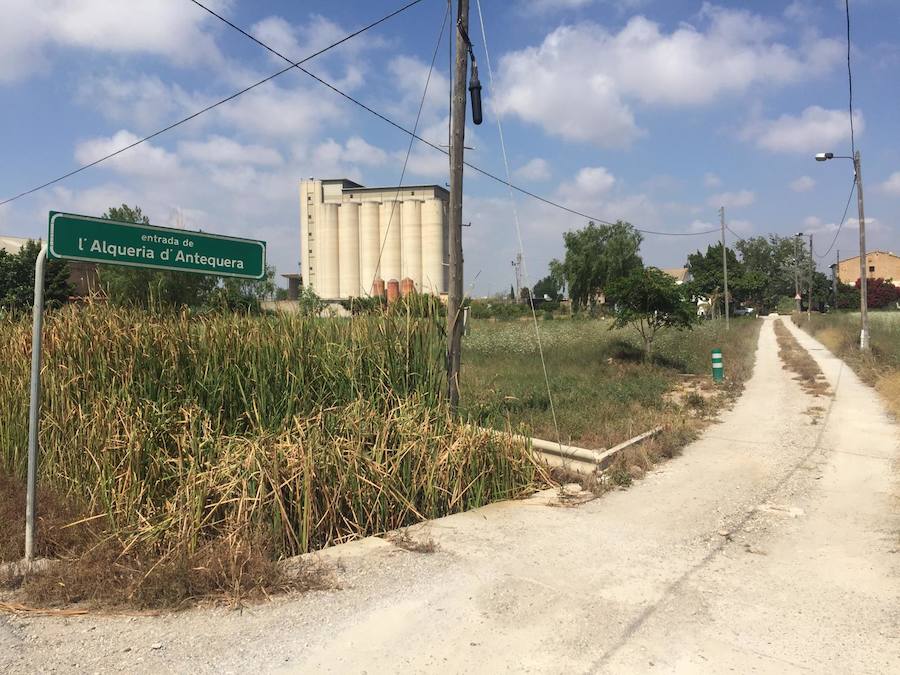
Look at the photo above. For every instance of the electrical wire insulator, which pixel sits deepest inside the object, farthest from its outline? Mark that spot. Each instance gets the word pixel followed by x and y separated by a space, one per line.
pixel 475 93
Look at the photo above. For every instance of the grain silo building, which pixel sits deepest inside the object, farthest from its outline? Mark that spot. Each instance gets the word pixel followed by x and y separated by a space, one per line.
pixel 351 236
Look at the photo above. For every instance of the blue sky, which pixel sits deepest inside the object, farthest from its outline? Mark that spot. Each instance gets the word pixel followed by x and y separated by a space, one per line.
pixel 652 111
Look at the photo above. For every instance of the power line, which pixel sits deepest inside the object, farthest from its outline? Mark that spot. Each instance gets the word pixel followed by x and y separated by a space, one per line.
pixel 384 118
pixel 841 225
pixel 409 147
pixel 850 81
pixel 214 105
pixel 414 135
pixel 521 252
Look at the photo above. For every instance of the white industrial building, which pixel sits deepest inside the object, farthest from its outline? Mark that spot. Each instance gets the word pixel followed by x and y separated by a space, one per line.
pixel 351 236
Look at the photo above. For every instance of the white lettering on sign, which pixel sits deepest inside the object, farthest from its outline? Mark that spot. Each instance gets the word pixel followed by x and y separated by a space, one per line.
pixel 117 250
pixel 200 259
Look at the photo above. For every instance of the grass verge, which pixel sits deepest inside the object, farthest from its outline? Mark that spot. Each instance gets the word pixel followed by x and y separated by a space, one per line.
pixel 196 452
pixel 880 367
pixel 602 391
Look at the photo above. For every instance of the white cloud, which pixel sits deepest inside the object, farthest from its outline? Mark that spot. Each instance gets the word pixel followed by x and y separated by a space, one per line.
pixel 354 151
pixel 579 82
pixel 143 160
pixel 410 75
pixel 296 41
pixel 744 227
pixel 803 184
pixel 589 182
pixel 711 180
pixel 732 199
pixel 221 150
pixel 892 185
pixel 816 129
pixel 274 111
pixel 144 101
pixel 534 169
pixel 172 29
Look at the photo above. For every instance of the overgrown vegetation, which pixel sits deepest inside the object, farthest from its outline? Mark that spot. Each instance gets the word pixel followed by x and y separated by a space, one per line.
pixel 266 435
pixel 602 391
pixel 880 367
pixel 798 360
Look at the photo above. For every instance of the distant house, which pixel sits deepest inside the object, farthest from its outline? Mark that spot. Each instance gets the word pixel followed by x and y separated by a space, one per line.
pixel 879 265
pixel 682 275
pixel 83 276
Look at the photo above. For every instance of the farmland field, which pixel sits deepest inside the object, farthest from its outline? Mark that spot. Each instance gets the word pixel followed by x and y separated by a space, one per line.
pixel 602 392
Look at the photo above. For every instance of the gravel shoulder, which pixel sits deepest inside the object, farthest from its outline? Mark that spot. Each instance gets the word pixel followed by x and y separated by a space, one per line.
pixel 771 544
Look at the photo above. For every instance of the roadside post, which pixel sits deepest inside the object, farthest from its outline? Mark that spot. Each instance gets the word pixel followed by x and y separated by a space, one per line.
pixel 98 240
pixel 718 367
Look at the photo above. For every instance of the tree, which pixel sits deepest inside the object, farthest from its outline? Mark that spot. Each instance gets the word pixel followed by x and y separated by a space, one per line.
pixel 17 279
pixel 245 294
pixel 768 269
pixel 148 287
pixel 549 287
pixel 650 301
pixel 595 257
pixel 879 293
pixel 708 278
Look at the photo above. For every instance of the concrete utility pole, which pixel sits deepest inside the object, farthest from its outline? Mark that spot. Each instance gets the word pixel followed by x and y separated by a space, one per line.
pixel 724 265
pixel 863 271
pixel 797 271
pixel 811 273
pixel 834 276
pixel 457 141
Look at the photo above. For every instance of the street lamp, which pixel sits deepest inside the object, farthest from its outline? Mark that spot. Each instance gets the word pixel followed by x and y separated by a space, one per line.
pixel 797 272
pixel 863 286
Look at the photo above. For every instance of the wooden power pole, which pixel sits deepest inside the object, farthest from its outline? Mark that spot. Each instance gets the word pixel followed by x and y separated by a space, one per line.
pixel 724 265
pixel 457 142
pixel 812 272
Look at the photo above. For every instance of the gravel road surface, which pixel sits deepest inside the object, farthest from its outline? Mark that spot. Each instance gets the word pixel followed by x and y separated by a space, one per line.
pixel 771 545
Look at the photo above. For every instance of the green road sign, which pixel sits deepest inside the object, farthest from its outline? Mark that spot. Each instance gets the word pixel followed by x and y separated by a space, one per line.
pixel 99 240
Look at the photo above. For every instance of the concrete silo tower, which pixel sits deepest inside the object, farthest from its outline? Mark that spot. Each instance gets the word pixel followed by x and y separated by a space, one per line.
pixel 411 247
pixel 348 249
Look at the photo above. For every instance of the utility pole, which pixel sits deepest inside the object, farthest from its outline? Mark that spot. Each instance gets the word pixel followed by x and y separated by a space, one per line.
pixel 863 271
pixel 724 265
pixel 517 265
pixel 457 141
pixel 811 272
pixel 834 276
pixel 797 271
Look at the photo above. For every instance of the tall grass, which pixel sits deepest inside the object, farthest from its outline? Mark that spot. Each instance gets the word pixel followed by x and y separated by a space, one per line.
pixel 179 429
pixel 880 366
pixel 602 391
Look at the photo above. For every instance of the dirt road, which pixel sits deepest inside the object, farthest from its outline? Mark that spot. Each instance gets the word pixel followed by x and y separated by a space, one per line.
pixel 772 544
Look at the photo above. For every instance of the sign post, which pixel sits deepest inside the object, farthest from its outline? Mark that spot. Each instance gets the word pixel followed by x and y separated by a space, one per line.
pixel 98 240
pixel 718 367
pixel 108 241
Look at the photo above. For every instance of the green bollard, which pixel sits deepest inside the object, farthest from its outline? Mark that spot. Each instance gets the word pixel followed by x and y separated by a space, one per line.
pixel 718 367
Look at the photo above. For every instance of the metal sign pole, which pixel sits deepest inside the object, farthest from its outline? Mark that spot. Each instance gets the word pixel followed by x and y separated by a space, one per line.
pixel 34 409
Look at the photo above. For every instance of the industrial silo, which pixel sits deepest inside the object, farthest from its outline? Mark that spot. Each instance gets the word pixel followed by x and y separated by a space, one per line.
pixel 369 243
pixel 390 239
pixel 348 249
pixel 411 249
pixel 328 282
pixel 433 246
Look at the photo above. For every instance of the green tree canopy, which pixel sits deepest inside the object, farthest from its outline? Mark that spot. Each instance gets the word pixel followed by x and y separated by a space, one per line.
pixel 596 256
pixel 147 287
pixel 17 279
pixel 549 286
pixel 649 301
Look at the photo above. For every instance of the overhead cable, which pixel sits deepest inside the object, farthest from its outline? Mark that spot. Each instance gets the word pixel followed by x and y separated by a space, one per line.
pixel 438 148
pixel 293 64
pixel 841 224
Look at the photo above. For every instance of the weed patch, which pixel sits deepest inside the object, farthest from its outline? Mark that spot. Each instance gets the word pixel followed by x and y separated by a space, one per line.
pixel 798 360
